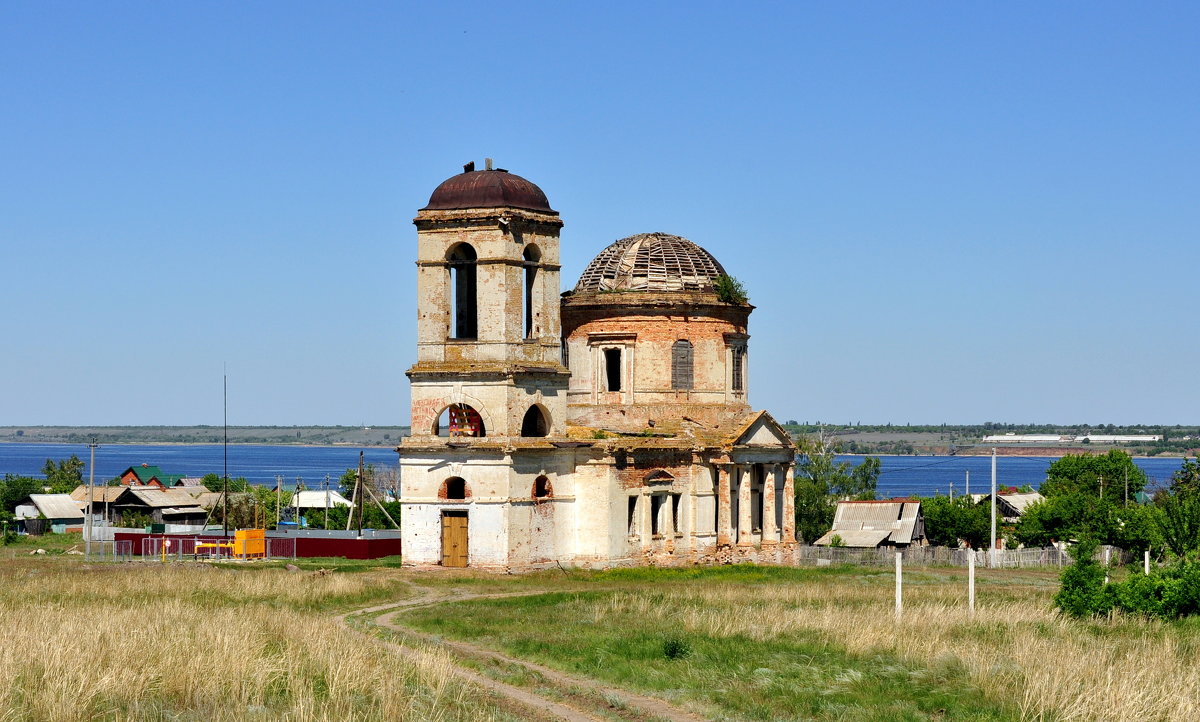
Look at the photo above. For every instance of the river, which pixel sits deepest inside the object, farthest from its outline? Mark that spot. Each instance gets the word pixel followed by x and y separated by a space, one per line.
pixel 901 475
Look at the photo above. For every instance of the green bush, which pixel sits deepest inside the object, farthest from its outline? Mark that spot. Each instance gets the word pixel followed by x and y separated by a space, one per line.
pixel 1082 593
pixel 1170 593
pixel 676 648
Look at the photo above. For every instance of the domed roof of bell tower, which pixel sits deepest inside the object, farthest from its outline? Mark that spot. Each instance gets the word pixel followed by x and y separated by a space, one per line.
pixel 487 189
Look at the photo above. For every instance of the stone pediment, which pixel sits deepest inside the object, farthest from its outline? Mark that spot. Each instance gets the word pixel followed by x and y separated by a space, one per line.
pixel 762 430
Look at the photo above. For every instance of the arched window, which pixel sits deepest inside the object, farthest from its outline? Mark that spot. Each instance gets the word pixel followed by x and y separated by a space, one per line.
pixel 454 489
pixel 542 488
pixel 464 322
pixel 531 256
pixel 681 365
pixel 534 423
pixel 459 420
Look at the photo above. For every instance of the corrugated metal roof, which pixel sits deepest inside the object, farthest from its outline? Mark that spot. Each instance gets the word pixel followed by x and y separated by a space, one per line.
pixel 867 538
pixel 897 518
pixel 100 494
pixel 56 506
pixel 162 498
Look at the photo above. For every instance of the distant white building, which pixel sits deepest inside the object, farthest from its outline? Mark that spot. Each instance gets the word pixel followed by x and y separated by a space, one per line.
pixel 1072 439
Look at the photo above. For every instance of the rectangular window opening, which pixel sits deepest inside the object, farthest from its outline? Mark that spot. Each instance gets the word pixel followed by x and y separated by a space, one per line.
pixel 612 368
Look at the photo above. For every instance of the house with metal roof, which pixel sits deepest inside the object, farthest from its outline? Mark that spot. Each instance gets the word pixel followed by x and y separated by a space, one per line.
pixel 867 524
pixel 1010 507
pixel 61 511
pixel 148 475
pixel 163 506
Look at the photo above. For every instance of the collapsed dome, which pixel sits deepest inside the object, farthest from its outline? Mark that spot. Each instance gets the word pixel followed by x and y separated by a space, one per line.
pixel 651 262
pixel 487 189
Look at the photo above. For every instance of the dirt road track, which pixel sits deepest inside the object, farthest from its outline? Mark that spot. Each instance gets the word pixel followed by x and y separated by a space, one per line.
pixel 619 703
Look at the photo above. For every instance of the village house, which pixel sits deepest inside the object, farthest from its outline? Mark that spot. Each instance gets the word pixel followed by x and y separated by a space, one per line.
pixel 60 512
pixel 1010 507
pixel 608 426
pixel 148 475
pixel 867 524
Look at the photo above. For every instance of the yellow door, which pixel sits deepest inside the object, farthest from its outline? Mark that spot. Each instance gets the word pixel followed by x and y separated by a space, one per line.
pixel 454 539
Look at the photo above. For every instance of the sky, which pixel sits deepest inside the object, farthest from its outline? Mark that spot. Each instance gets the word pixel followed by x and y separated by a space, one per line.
pixel 943 212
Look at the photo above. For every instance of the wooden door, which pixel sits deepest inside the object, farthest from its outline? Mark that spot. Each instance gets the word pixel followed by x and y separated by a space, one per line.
pixel 454 539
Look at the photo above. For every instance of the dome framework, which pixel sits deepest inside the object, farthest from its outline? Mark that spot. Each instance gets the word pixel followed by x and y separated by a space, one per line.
pixel 651 262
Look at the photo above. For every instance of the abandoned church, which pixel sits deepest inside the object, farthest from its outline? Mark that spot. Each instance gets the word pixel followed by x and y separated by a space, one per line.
pixel 605 426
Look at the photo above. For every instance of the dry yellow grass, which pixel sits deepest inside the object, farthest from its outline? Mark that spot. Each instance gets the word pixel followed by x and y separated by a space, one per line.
pixel 1017 649
pixel 192 642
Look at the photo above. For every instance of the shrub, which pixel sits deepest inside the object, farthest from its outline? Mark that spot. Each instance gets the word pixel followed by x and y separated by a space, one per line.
pixel 1082 593
pixel 676 648
pixel 730 290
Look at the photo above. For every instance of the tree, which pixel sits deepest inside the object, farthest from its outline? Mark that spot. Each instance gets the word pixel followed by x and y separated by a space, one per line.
pixel 64 477
pixel 16 488
pixel 949 521
pixel 1091 473
pixel 821 480
pixel 1085 496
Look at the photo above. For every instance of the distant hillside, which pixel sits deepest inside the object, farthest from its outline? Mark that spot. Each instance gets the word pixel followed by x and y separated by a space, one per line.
pixel 312 435
pixel 968 439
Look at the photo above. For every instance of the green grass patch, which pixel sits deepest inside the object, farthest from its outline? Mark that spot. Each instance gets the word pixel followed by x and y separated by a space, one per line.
pixel 798 675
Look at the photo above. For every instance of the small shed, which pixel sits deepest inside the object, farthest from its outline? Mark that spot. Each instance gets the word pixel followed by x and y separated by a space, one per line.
pixel 60 510
pixel 867 524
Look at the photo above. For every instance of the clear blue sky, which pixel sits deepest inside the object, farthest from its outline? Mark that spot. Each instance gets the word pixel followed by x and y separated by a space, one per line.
pixel 945 212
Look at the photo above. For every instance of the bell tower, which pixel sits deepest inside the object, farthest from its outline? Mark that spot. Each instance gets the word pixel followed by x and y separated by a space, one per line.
pixel 488 320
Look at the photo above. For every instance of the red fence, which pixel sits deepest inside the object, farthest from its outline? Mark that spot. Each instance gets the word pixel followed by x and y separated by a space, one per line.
pixel 369 548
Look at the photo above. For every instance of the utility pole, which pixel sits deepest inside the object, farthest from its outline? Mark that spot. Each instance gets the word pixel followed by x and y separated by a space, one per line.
pixel 1126 486
pixel 993 559
pixel 327 502
pixel 968 492
pixel 358 492
pixel 1101 486
pixel 278 498
pixel 225 486
pixel 87 545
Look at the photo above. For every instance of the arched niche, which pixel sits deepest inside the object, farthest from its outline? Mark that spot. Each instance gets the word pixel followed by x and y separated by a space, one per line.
pixel 542 488
pixel 454 489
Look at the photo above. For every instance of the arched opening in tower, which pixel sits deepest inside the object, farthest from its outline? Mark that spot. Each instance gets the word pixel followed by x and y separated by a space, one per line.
pixel 464 322
pixel 459 420
pixel 534 423
pixel 531 256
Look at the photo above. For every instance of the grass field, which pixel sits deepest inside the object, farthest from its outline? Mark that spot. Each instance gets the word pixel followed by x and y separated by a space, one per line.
pixel 194 642
pixel 768 643
pixel 200 642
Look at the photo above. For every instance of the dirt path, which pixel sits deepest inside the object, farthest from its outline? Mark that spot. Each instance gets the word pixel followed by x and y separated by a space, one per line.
pixel 583 698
